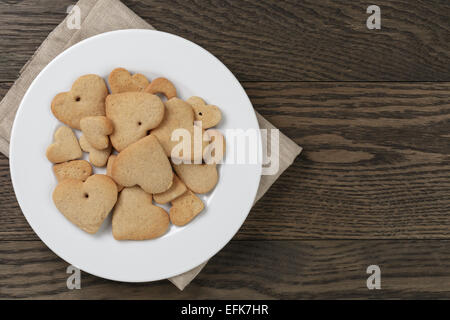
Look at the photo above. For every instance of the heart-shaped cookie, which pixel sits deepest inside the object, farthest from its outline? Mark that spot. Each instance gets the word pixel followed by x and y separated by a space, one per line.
pixel 185 208
pixel 163 86
pixel 120 80
pixel 176 190
pixel 133 114
pixel 96 130
pixel 145 164
pixel 86 204
pixel 76 169
pixel 86 98
pixel 136 218
pixel 65 146
pixel 98 158
pixel 200 178
pixel 179 115
pixel 209 115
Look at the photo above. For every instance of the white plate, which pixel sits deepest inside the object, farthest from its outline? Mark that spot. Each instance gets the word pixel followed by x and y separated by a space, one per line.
pixel 194 71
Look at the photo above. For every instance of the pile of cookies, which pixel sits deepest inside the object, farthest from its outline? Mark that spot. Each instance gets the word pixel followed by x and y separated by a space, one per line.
pixel 129 131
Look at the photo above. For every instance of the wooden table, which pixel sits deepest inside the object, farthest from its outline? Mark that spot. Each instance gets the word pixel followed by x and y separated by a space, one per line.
pixel 371 109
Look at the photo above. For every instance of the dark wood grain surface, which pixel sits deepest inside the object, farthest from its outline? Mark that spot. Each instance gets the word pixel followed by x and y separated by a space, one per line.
pixel 295 269
pixel 265 40
pixel 371 109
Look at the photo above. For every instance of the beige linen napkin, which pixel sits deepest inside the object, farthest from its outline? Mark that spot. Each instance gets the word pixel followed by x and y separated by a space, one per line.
pixel 99 17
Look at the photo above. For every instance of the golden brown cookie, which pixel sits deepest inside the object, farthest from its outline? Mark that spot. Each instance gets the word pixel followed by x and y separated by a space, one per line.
pixel 200 178
pixel 96 130
pixel 86 204
pixel 185 208
pixel 109 169
pixel 176 190
pixel 143 163
pixel 209 115
pixel 98 158
pixel 120 80
pixel 86 98
pixel 65 146
pixel 133 114
pixel 179 115
pixel 136 218
pixel 76 169
pixel 163 86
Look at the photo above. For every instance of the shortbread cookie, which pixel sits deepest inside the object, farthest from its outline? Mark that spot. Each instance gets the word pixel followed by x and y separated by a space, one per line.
pixel 176 190
pixel 185 208
pixel 209 115
pixel 109 169
pixel 98 158
pixel 120 80
pixel 136 218
pixel 86 204
pixel 96 130
pixel 200 178
pixel 133 114
pixel 215 150
pixel 86 98
pixel 76 169
pixel 65 147
pixel 179 115
pixel 163 86
pixel 143 163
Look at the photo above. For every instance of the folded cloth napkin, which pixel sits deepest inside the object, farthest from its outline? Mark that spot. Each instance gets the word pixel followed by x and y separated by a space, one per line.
pixel 98 17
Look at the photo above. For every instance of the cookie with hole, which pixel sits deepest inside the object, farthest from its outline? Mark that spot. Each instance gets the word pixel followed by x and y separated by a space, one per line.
pixel 86 204
pixel 133 114
pixel 85 98
pixel 208 114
